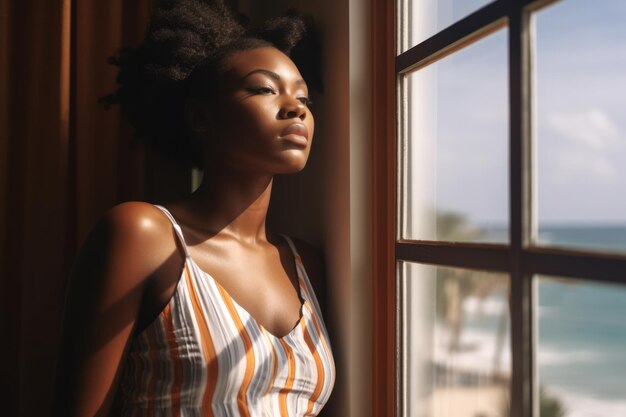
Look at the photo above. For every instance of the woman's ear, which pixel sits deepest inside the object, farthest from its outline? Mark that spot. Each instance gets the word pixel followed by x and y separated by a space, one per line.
pixel 197 115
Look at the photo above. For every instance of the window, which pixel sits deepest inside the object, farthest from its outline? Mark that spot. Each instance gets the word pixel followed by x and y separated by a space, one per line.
pixel 502 272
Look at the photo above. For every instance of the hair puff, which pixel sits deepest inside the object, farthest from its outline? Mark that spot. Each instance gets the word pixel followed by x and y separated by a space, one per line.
pixel 182 36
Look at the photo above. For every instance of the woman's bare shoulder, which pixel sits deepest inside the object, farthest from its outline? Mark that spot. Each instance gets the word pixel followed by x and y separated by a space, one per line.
pixel 138 227
pixel 136 219
pixel 139 215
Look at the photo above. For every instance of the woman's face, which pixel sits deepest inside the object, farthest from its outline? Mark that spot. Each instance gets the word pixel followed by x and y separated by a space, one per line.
pixel 260 119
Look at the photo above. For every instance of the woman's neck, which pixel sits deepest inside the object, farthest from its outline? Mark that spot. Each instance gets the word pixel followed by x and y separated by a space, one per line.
pixel 232 204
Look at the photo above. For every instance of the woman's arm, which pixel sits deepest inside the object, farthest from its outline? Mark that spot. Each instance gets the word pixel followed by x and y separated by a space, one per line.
pixel 103 301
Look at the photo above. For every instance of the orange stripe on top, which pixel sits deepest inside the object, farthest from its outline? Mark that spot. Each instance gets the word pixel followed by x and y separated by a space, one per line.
pixel 247 343
pixel 207 347
pixel 303 285
pixel 170 336
pixel 284 411
pixel 321 336
pixel 318 364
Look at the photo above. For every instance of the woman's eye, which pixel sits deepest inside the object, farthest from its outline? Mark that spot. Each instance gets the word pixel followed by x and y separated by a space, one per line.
pixel 305 100
pixel 262 90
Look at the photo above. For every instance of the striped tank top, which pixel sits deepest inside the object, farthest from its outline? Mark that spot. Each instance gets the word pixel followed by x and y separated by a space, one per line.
pixel 205 355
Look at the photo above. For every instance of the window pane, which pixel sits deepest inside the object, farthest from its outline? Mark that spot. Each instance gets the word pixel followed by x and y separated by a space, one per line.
pixel 428 17
pixel 456 121
pixel 581 344
pixel 580 78
pixel 457 360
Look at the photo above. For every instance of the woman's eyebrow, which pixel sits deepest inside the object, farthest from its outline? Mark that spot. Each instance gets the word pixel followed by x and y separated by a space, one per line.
pixel 271 74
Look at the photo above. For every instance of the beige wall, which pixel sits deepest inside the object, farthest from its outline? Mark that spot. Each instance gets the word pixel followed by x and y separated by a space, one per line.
pixel 360 352
pixel 332 193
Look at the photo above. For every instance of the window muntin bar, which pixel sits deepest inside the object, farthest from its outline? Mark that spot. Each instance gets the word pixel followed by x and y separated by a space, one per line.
pixel 428 17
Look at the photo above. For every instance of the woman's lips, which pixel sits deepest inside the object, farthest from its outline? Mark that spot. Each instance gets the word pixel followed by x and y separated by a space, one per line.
pixel 296 133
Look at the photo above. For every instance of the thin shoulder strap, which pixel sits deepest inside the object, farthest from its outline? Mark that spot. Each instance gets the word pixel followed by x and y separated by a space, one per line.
pixel 177 228
pixel 291 244
pixel 308 286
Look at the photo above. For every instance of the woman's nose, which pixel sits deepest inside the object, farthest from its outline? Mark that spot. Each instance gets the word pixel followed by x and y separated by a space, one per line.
pixel 293 108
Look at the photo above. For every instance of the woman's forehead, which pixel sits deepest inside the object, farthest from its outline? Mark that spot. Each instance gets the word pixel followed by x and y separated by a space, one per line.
pixel 243 63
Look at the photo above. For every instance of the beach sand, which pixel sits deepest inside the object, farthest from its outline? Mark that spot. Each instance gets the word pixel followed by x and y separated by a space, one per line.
pixel 485 401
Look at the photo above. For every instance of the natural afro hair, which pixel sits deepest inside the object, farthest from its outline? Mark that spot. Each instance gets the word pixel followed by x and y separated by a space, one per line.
pixel 185 37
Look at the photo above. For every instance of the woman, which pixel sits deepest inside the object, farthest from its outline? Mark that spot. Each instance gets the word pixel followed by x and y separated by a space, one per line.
pixel 193 308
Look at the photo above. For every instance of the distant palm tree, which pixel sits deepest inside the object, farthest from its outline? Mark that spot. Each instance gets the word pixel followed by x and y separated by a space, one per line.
pixel 549 405
pixel 455 285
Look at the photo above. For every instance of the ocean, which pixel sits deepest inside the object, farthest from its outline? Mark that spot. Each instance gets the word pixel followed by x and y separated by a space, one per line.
pixel 581 332
pixel 581 353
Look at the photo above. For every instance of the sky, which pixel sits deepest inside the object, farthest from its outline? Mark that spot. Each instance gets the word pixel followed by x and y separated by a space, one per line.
pixel 579 111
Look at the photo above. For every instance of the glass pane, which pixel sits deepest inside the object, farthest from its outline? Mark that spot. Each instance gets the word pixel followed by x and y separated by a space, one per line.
pixel 427 17
pixel 580 78
pixel 456 120
pixel 457 360
pixel 581 349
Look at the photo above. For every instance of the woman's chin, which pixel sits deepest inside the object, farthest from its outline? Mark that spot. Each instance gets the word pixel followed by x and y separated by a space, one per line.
pixel 292 166
pixel 293 160
pixel 295 169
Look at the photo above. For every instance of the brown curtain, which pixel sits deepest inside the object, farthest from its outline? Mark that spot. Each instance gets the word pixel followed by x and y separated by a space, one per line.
pixel 64 161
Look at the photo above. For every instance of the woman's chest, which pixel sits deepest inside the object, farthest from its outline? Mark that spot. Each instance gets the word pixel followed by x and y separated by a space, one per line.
pixel 266 283
pixel 216 353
